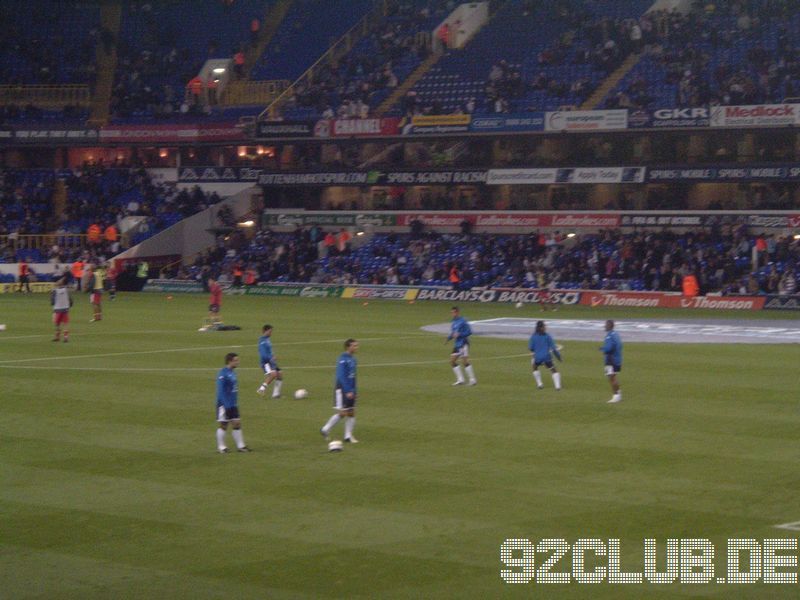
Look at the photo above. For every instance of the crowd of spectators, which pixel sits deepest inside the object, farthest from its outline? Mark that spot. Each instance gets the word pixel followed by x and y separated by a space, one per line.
pixel 95 197
pixel 724 53
pixel 158 58
pixel 102 196
pixel 600 42
pixel 356 83
pixel 38 45
pixel 26 201
pixel 724 260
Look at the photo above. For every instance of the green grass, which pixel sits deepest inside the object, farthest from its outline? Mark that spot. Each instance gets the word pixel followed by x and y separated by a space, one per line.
pixel 110 486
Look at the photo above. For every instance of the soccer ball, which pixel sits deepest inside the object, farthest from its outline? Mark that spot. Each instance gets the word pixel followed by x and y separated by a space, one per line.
pixel 518 305
pixel 335 446
pixel 300 394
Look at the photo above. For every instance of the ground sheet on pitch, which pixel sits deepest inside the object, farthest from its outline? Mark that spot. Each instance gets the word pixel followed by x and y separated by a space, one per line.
pixel 688 331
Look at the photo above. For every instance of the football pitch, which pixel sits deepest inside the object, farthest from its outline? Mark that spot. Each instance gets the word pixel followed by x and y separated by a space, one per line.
pixel 111 486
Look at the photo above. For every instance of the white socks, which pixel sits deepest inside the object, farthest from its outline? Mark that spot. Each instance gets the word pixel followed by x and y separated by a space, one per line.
pixel 470 374
pixel 331 422
pixel 349 424
pixel 538 377
pixel 276 388
pixel 238 438
pixel 220 439
pixel 459 376
pixel 556 379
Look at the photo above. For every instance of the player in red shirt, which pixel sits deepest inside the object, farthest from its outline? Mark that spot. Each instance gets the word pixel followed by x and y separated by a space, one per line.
pixel 214 305
pixel 24 276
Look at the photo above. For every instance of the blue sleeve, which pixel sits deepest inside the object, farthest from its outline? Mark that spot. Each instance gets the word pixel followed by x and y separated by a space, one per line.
pixel 224 394
pixel 465 329
pixel 345 375
pixel 530 345
pixel 262 351
pixel 608 345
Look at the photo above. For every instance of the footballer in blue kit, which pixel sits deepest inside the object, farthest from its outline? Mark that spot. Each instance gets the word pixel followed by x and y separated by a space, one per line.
pixel 541 345
pixel 612 349
pixel 345 393
pixel 272 372
pixel 227 405
pixel 460 331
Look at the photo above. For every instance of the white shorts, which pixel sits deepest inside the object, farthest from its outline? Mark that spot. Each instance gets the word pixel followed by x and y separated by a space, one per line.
pixel 342 402
pixel 462 352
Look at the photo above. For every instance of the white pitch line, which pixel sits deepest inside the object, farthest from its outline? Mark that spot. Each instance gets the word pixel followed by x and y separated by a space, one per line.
pixel 212 369
pixel 88 333
pixel 193 348
pixel 793 526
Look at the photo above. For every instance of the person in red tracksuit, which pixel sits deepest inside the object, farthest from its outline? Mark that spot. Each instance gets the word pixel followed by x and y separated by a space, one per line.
pixel 24 276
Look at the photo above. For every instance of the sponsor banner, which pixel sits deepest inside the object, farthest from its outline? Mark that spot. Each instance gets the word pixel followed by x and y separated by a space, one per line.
pixel 511 219
pixel 432 177
pixel 172 286
pixel 212 132
pixel 375 178
pixel 528 296
pixel 383 293
pixel 62 136
pixel 507 123
pixel 284 129
pixel 669 117
pixel 37 287
pixel 755 115
pixel 436 124
pixel 584 220
pixel 326 128
pixel 299 290
pixel 330 219
pixel 669 300
pixel 521 176
pixel 328 178
pixel 295 290
pixel 723 302
pixel 586 120
pixel 782 303
pixel 650 220
pixel 777 172
pixel 785 221
pixel 218 174
pixel 577 175
pixel 505 295
pixel 163 175
pixel 473 295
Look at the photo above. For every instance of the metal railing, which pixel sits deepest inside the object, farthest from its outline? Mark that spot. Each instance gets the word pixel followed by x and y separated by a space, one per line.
pixel 43 242
pixel 45 96
pixel 253 92
pixel 341 47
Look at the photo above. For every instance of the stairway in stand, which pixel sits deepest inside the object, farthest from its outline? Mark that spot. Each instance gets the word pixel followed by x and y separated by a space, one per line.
pixel 110 17
pixel 610 82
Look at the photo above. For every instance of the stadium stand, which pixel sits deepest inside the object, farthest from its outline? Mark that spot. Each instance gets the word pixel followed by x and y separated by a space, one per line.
pixel 376 65
pixel 307 31
pixel 728 53
pixel 26 200
pixel 721 260
pixel 507 69
pixel 37 47
pixel 104 196
pixel 163 45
